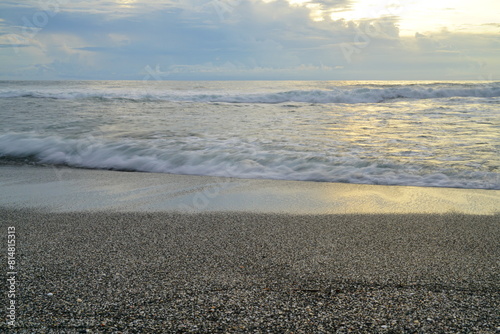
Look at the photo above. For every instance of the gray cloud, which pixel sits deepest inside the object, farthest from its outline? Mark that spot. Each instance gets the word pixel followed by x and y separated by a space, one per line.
pixel 199 39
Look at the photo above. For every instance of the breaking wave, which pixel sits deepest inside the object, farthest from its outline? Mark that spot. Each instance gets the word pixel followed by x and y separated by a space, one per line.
pixel 229 158
pixel 347 94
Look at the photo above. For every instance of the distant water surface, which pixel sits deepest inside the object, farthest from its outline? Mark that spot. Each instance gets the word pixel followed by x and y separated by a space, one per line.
pixel 440 134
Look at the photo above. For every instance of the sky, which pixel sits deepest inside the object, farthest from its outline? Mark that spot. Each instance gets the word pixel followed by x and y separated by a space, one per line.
pixel 250 40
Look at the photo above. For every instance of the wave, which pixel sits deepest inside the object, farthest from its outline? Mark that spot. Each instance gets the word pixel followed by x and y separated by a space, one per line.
pixel 346 94
pixel 229 159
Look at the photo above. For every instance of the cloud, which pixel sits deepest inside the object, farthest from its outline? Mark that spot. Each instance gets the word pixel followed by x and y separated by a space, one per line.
pixel 220 39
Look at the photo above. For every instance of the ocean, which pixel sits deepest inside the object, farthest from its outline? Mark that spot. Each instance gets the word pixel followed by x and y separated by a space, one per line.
pixel 414 133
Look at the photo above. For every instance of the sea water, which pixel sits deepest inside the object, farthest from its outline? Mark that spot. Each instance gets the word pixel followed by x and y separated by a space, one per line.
pixel 438 134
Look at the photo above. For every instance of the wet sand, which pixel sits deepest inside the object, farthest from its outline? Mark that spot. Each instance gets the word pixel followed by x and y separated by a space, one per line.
pixel 68 190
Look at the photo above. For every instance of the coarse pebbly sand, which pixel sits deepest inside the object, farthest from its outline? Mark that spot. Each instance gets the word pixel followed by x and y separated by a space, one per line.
pixel 88 272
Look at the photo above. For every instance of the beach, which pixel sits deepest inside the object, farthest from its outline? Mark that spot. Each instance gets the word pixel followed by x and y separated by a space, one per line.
pixel 250 206
pixel 172 253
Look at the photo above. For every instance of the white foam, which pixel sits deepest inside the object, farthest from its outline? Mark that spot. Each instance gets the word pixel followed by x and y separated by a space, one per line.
pixel 240 161
pixel 340 94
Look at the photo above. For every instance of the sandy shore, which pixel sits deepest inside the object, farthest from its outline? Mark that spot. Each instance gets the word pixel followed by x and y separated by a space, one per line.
pixel 103 268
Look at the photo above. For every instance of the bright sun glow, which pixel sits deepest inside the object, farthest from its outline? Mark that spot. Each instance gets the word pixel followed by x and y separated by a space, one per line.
pixel 454 15
pixel 421 15
pixel 126 3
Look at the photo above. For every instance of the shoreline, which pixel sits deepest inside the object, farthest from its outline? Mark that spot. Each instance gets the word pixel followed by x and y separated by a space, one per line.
pixel 67 189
